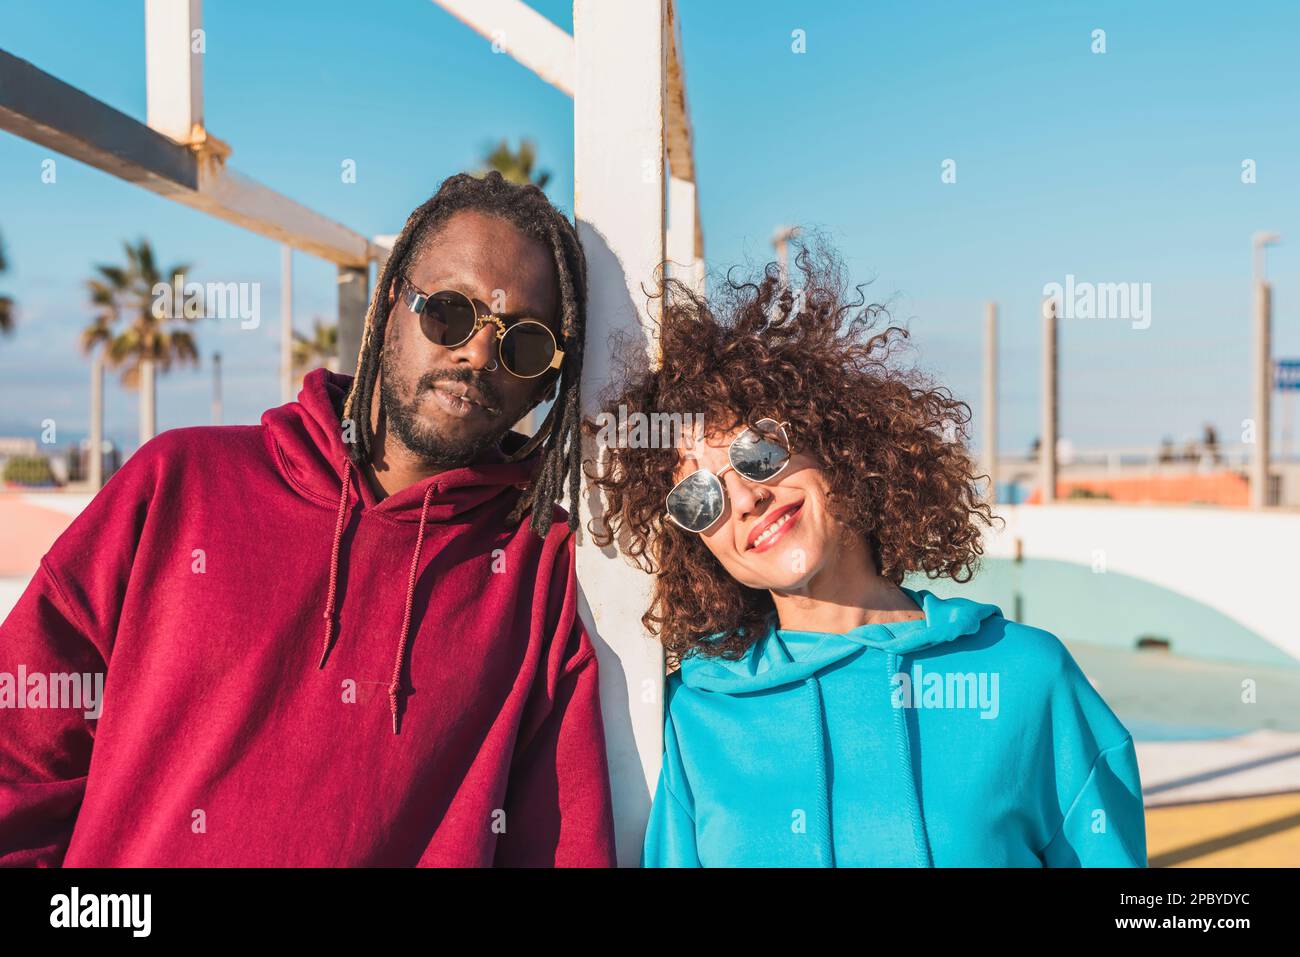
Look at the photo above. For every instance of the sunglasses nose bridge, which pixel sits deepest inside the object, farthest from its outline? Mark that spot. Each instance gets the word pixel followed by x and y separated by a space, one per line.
pixel 481 353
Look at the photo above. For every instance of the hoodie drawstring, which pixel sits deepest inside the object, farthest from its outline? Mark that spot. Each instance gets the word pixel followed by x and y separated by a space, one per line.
pixel 345 498
pixel 827 845
pixel 920 839
pixel 396 684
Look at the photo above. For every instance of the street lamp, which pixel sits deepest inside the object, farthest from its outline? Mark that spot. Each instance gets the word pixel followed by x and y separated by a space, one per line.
pixel 780 242
pixel 1258 242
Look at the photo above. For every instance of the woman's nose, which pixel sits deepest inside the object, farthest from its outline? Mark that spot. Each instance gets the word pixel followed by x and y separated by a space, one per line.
pixel 746 497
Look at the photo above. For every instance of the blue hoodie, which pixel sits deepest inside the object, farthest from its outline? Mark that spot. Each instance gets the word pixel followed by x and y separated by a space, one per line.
pixel 957 740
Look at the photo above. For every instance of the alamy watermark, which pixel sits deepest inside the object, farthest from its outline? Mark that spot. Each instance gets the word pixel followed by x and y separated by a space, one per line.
pixel 78 691
pixel 656 430
pixel 1100 300
pixel 211 300
pixel 130 911
pixel 947 689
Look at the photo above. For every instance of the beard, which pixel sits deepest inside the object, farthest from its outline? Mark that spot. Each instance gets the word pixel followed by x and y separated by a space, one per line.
pixel 421 436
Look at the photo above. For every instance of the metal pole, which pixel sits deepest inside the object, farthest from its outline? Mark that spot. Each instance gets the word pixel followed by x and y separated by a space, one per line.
pixel 991 398
pixel 148 401
pixel 353 300
pixel 1259 496
pixel 1047 446
pixel 96 456
pixel 216 388
pixel 286 323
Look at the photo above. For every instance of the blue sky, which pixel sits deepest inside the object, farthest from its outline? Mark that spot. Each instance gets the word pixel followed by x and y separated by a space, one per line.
pixel 1115 167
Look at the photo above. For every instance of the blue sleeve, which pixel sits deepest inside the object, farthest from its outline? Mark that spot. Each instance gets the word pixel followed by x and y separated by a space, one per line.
pixel 1105 825
pixel 670 834
pixel 1092 799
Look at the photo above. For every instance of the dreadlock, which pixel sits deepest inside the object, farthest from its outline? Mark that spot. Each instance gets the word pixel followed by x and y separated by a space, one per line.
pixel 527 208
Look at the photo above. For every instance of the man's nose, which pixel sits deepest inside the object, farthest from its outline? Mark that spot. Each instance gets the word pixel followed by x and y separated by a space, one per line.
pixel 481 349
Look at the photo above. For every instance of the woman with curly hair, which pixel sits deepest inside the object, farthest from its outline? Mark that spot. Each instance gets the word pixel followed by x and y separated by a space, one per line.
pixel 821 713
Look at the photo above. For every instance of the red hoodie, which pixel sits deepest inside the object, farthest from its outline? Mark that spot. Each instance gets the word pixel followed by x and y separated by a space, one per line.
pixel 250 603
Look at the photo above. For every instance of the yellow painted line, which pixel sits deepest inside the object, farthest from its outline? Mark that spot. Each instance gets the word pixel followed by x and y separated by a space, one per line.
pixel 1245 832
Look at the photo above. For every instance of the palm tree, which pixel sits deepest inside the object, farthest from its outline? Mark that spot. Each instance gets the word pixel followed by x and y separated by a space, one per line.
pixel 320 348
pixel 147 342
pixel 6 303
pixel 516 167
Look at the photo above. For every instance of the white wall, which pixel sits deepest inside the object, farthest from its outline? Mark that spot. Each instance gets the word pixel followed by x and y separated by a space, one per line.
pixel 1239 562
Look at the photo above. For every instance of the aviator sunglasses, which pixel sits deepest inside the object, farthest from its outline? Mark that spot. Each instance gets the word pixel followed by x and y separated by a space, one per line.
pixel 449 318
pixel 760 454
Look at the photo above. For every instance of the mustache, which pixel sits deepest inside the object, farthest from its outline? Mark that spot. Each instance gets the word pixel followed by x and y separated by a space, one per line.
pixel 481 385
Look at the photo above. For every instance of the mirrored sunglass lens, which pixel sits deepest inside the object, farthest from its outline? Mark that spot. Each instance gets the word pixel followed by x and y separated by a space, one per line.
pixel 527 348
pixel 448 318
pixel 696 502
pixel 759 456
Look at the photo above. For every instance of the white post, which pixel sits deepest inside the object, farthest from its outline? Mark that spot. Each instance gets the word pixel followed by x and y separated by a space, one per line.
pixel 1259 497
pixel 1047 446
pixel 286 323
pixel 217 406
pixel 95 469
pixel 353 298
pixel 991 398
pixel 619 199
pixel 174 66
pixel 148 400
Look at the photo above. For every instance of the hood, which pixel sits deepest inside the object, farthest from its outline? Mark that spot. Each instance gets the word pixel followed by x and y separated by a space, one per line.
pixel 786 657
pixel 789 662
pixel 306 440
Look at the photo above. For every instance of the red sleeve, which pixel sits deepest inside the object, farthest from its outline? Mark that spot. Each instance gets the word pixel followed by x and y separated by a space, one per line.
pixel 64 625
pixel 44 751
pixel 559 812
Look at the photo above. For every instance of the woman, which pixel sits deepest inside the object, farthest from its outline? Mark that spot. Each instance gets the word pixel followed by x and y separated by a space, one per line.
pixel 823 714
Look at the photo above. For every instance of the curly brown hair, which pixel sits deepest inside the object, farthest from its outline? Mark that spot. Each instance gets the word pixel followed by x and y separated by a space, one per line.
pixel 890 442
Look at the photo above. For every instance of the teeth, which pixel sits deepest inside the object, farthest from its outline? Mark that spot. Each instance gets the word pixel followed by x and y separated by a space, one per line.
pixel 456 395
pixel 772 529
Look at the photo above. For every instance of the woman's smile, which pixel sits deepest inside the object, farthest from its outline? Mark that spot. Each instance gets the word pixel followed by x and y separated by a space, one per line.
pixel 772 529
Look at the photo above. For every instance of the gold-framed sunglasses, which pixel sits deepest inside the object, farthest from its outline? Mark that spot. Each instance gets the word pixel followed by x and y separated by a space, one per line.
pixel 526 347
pixel 698 500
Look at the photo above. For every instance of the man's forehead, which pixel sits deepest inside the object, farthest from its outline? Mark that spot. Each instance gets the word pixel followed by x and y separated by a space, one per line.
pixel 490 263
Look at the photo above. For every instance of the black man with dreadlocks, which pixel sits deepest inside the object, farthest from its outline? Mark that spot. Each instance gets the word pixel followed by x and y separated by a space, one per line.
pixel 349 635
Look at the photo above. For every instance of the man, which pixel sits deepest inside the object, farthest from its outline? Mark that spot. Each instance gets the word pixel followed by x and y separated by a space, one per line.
pixel 330 639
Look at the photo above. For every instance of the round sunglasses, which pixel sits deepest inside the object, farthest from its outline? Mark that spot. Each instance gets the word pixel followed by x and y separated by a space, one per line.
pixel 698 500
pixel 526 347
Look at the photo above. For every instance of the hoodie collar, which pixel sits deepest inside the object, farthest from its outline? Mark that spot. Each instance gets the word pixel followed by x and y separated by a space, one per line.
pixel 307 445
pixel 783 657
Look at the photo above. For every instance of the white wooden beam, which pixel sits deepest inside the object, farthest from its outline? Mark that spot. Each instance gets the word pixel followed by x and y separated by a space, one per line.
pixel 519 30
pixel 45 110
pixel 174 66
pixel 619 186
